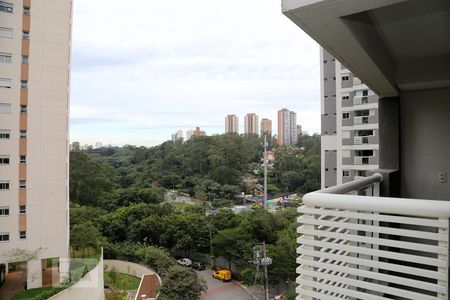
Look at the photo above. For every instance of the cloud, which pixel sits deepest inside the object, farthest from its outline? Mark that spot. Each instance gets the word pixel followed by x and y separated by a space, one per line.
pixel 162 65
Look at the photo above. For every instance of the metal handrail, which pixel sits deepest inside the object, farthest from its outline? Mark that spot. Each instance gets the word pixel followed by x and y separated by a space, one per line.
pixel 336 199
pixel 353 185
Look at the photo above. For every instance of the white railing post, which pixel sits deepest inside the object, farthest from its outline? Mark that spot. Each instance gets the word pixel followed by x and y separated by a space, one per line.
pixel 445 244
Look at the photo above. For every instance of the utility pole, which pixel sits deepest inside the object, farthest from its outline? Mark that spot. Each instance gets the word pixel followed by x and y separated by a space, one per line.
pixel 265 262
pixel 211 246
pixel 265 170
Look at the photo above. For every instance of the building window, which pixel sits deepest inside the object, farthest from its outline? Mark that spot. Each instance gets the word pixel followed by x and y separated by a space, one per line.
pixel 345 78
pixel 325 61
pixel 5 83
pixel 23 235
pixel 4 159
pixel 5 134
pixel 22 184
pixel 345 97
pixel 5 108
pixel 4 237
pixel 26 11
pixel 6 32
pixel 23 134
pixel 6 7
pixel 25 35
pixel 346 115
pixel 334 78
pixel 22 209
pixel 4 185
pixel 23 108
pixel 326 169
pixel 346 173
pixel 24 59
pixel 4 211
pixel 23 159
pixel 5 58
pixel 24 84
pixel 362 173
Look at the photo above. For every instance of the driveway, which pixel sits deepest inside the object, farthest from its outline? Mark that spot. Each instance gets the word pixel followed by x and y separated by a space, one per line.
pixel 218 290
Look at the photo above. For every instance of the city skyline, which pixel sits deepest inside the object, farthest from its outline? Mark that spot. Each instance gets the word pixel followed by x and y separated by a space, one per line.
pixel 179 78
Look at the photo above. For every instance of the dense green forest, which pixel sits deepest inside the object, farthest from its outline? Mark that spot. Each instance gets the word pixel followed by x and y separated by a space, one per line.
pixel 118 201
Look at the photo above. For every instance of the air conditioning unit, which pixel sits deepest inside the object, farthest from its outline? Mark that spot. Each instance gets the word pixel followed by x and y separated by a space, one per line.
pixel 357 140
pixel 357 120
pixel 356 101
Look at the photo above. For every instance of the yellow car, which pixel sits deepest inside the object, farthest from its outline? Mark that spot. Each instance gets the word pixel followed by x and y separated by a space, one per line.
pixel 223 275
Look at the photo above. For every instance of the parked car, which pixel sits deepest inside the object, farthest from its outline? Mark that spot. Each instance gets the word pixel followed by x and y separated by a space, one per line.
pixel 279 297
pixel 223 275
pixel 198 266
pixel 184 262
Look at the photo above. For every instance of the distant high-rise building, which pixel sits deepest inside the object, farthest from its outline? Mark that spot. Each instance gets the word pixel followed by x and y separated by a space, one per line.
pixel 199 132
pixel 177 136
pixel 251 124
pixel 35 52
pixel 287 127
pixel 231 124
pixel 189 134
pixel 266 126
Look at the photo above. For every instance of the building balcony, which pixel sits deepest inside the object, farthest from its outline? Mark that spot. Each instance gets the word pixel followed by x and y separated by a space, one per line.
pixel 355 244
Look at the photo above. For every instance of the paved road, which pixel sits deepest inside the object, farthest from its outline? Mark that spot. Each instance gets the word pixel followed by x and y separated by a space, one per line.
pixel 218 290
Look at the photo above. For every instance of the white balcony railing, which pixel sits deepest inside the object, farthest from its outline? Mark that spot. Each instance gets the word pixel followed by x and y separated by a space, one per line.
pixel 371 247
pixel 357 140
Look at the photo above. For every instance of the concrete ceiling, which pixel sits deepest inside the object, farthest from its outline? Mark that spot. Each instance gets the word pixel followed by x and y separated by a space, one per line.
pixel 392 45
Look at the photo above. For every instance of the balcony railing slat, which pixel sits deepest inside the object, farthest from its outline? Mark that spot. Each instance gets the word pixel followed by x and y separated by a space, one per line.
pixel 375 264
pixel 375 241
pixel 347 292
pixel 376 276
pixel 432 222
pixel 378 229
pixel 378 253
pixel 371 286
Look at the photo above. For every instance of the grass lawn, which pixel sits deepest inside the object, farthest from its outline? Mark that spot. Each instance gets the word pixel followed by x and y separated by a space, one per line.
pixel 122 281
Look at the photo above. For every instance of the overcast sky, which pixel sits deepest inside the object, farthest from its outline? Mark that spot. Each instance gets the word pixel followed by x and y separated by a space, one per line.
pixel 141 69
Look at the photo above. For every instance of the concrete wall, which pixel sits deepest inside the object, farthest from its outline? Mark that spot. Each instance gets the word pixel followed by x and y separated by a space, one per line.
pixel 127 267
pixel 425 143
pixel 90 287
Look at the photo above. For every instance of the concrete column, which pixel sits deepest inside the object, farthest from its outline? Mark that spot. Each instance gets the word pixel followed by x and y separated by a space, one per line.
pixel 64 266
pixel 34 274
pixel 389 131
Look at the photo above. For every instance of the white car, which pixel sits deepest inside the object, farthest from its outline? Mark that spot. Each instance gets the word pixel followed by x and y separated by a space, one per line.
pixel 184 262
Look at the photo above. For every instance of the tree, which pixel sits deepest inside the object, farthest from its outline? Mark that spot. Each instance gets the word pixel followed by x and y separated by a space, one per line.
pixel 180 283
pixel 89 179
pixel 156 258
pixel 84 235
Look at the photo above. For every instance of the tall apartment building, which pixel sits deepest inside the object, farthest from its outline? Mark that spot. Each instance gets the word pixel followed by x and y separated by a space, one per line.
pixel 34 104
pixel 231 124
pixel 349 116
pixel 177 136
pixel 266 126
pixel 251 124
pixel 287 127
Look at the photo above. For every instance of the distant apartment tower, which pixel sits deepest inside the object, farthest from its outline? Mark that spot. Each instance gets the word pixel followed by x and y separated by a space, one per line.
pixel 349 117
pixel 231 124
pixel 251 124
pixel 34 111
pixel 177 136
pixel 287 127
pixel 189 134
pixel 199 132
pixel 266 126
